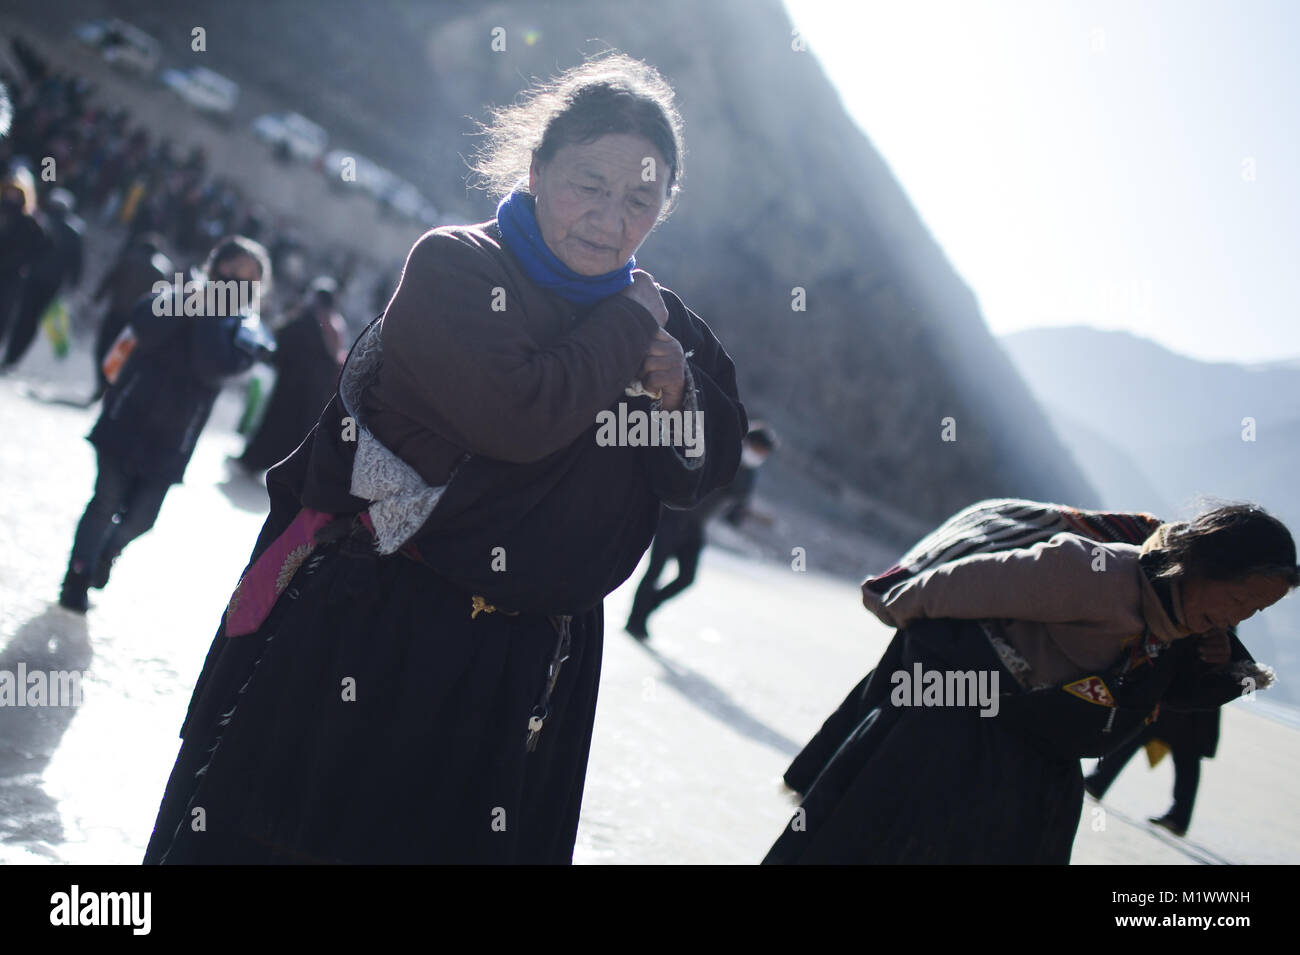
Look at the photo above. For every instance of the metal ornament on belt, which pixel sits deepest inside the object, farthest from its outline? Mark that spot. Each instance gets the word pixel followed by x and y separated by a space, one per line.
pixel 542 710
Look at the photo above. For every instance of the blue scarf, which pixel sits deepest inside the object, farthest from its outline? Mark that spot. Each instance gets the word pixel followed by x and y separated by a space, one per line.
pixel 517 219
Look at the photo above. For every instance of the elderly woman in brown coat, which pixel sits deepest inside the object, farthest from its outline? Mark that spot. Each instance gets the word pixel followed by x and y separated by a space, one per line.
pixel 1029 635
pixel 407 671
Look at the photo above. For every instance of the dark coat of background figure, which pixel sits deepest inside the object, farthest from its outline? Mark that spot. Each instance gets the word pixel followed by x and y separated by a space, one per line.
pixel 306 374
pixel 131 277
pixel 23 242
pixel 154 413
pixel 56 264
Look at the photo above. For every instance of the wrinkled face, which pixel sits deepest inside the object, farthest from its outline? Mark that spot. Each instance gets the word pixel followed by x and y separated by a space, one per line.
pixel 595 205
pixel 1210 604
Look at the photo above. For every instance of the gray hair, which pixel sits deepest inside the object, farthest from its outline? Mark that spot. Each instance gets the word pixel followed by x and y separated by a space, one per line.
pixel 609 93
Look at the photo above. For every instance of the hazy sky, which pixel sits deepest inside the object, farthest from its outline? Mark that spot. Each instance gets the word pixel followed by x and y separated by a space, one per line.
pixel 1122 164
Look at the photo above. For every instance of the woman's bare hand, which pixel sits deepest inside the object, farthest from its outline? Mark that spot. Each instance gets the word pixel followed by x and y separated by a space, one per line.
pixel 1215 648
pixel 645 292
pixel 664 370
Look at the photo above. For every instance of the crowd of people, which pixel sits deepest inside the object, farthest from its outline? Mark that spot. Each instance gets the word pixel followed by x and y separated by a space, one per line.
pixel 95 159
pixel 65 150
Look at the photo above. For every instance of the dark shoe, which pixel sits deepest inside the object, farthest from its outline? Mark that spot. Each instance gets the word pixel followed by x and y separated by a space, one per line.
pixel 636 627
pixel 1168 822
pixel 1092 788
pixel 99 579
pixel 73 595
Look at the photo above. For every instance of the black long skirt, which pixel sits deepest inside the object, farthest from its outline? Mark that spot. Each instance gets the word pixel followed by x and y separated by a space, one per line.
pixel 372 720
pixel 885 784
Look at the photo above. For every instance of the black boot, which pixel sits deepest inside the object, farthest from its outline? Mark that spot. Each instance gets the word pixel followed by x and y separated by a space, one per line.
pixel 99 579
pixel 636 626
pixel 1172 823
pixel 75 584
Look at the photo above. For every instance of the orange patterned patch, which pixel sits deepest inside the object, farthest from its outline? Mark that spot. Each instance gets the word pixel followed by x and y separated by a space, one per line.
pixel 1092 689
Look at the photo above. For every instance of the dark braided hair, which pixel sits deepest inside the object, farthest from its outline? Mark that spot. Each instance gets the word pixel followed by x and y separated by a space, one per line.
pixel 1229 542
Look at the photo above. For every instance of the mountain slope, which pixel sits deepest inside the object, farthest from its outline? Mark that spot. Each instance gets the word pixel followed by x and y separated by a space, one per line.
pixel 782 192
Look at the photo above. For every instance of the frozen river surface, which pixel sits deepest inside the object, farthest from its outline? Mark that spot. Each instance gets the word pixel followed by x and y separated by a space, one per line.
pixel 693 730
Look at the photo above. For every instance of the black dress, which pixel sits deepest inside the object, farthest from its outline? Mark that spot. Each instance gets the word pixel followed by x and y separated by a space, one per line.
pixel 890 784
pixel 412 769
pixel 884 784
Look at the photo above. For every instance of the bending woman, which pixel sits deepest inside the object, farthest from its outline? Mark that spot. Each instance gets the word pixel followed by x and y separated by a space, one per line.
pixel 407 671
pixel 1029 635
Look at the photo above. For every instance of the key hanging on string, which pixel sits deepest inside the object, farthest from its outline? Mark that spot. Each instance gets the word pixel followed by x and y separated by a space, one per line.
pixel 535 723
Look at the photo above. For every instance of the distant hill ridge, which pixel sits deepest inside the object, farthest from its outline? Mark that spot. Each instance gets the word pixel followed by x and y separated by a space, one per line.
pixel 1158 431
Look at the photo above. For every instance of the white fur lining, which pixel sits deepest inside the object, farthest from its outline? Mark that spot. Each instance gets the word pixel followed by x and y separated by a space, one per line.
pixel 1261 675
pixel 401 500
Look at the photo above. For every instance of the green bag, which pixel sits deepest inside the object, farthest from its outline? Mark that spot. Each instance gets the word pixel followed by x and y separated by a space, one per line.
pixel 55 323
pixel 260 382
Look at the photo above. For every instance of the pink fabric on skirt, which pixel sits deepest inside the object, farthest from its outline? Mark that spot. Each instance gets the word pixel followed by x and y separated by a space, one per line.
pixel 261 586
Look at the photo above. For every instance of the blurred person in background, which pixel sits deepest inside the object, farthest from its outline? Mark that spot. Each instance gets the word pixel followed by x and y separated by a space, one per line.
pixel 1189 738
pixel 309 354
pixel 23 241
pixel 56 266
pixel 156 408
pixel 141 265
pixel 679 536
pixel 759 443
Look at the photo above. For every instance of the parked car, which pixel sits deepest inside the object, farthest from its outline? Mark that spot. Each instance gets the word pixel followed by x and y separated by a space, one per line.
pixel 378 181
pixel 122 45
pixel 296 135
pixel 204 90
pixel 367 175
pixel 404 200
